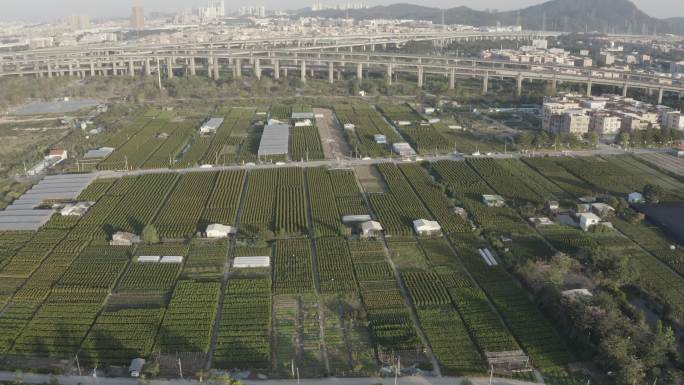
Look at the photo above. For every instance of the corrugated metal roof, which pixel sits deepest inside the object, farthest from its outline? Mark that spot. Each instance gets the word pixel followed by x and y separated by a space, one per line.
pixel 21 215
pixel 275 140
pixel 247 262
pixel 102 152
pixel 303 115
pixel 212 124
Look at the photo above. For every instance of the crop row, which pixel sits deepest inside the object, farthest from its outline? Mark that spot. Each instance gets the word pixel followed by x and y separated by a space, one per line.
pixel 434 197
pixel 180 214
pixel 96 268
pixel 347 194
pixel 305 143
pixel 60 324
pixel 206 260
pixel 121 334
pixel 292 268
pixel 335 267
pixel 244 332
pixel 324 212
pixel 189 318
pixel 367 123
pixel 140 204
pixel 224 201
pixel 149 277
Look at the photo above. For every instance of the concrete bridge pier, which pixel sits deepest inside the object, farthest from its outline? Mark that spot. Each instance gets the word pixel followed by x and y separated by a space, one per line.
pixel 452 79
pixel 276 68
pixel 257 68
pixel 285 71
pixel 169 66
pixel 217 73
pixel 92 68
pixel 661 91
pixel 390 73
pixel 359 72
pixel 339 75
pixel 421 75
pixel 331 72
pixel 49 69
pixel 193 67
pixel 131 68
pixel 624 90
pixel 589 87
pixel 554 86
pixel 237 65
pixel 148 68
pixel 519 81
pixel 303 71
pixel 71 69
pixel 485 84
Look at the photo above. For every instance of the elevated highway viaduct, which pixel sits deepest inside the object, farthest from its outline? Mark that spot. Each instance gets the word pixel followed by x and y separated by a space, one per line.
pixel 330 62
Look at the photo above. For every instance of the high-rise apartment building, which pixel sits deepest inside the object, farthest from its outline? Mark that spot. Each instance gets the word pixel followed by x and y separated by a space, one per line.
pixel 257 11
pixel 215 9
pixel 77 22
pixel 137 17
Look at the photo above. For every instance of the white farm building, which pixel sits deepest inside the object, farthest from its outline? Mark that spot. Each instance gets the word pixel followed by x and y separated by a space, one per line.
pixel 211 126
pixel 588 219
pixel 370 229
pixel 426 227
pixel 251 262
pixel 218 230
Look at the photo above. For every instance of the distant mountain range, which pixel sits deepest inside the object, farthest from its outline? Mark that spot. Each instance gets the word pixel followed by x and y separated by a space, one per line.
pixel 606 16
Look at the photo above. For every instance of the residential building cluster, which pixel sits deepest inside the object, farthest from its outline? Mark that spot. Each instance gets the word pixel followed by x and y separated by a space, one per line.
pixel 318 6
pixel 256 11
pixel 538 53
pixel 605 115
pixel 215 9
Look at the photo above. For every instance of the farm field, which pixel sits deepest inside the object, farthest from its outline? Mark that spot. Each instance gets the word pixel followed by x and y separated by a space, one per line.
pixel 332 300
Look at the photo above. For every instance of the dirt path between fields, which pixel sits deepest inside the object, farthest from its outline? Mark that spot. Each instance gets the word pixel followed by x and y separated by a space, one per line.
pixel 332 137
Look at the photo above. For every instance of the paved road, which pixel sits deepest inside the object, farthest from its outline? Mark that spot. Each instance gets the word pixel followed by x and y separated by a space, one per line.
pixel 349 162
pixel 29 378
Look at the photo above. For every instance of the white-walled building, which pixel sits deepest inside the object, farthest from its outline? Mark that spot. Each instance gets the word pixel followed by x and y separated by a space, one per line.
pixel 426 227
pixel 218 230
pixel 370 229
pixel 605 123
pixel 586 220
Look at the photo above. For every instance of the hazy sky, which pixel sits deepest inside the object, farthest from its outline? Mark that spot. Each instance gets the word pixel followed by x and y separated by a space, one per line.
pixel 54 9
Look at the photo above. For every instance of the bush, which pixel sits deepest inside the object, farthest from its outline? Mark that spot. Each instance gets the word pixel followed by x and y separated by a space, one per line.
pixel 150 235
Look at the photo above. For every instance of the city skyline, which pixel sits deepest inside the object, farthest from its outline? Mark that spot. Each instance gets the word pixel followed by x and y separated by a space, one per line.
pixel 15 10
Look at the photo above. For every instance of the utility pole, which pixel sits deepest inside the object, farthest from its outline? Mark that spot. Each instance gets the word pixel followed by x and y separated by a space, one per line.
pixel 159 75
pixel 78 365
